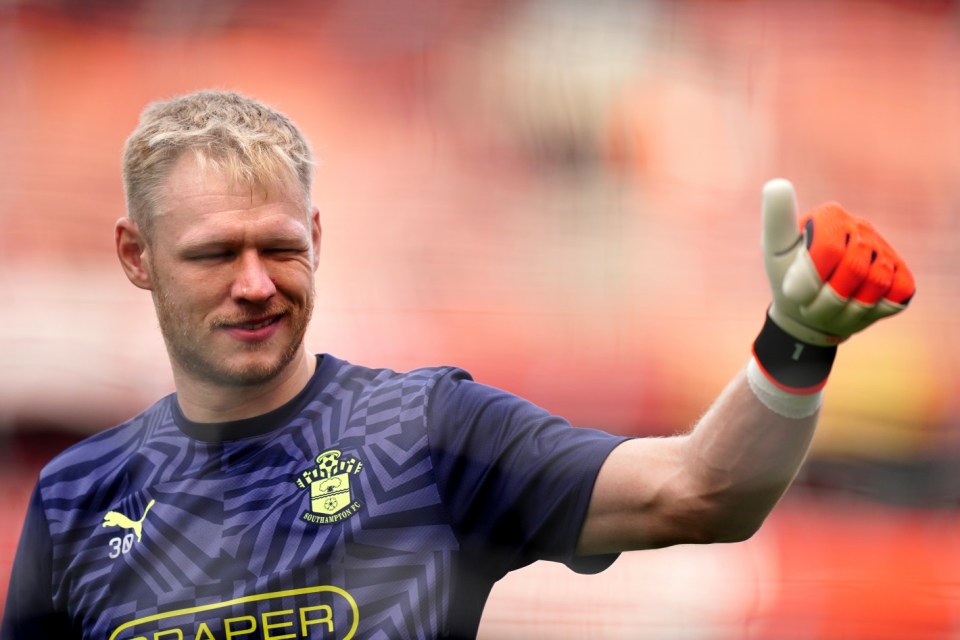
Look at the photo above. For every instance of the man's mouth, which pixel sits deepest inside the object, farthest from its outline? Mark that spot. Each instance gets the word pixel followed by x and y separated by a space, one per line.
pixel 254 329
pixel 257 324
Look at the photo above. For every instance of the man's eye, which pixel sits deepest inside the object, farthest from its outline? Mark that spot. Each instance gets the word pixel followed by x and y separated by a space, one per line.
pixel 210 256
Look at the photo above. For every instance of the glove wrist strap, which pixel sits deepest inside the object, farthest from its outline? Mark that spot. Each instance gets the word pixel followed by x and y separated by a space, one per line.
pixel 790 364
pixel 790 405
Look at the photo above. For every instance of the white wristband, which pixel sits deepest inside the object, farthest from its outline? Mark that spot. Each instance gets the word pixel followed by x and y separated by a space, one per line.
pixel 790 405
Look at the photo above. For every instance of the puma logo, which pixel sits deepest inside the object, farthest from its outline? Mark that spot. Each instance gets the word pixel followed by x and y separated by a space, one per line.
pixel 117 519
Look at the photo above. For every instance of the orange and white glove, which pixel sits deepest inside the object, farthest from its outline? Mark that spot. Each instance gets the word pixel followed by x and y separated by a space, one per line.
pixel 831 275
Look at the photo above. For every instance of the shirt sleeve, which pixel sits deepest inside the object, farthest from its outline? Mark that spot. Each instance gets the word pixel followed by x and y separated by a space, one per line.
pixel 29 613
pixel 516 479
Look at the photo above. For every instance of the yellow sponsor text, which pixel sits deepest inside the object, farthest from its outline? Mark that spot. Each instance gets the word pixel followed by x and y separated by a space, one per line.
pixel 316 612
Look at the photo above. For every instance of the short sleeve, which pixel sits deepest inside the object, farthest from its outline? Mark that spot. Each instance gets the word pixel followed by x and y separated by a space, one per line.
pixel 515 479
pixel 29 613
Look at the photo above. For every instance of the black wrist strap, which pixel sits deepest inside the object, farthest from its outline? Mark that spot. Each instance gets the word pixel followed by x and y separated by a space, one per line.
pixel 792 365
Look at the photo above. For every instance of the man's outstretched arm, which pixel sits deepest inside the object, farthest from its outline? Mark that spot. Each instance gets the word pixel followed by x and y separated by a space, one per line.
pixel 831 275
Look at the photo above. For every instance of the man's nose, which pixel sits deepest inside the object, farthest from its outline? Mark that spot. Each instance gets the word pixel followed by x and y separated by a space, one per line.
pixel 252 283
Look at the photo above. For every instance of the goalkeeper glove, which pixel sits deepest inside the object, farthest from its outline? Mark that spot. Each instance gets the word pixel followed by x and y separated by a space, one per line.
pixel 831 276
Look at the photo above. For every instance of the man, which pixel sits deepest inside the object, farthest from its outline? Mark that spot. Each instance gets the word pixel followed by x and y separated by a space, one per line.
pixel 281 494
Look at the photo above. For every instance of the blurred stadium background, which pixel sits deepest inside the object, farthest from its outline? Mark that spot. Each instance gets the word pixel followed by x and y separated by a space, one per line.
pixel 561 197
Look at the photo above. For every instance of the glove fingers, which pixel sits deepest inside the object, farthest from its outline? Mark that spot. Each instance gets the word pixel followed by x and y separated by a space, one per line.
pixel 883 309
pixel 869 269
pixel 779 217
pixel 828 230
pixel 824 308
pixel 877 282
pixel 904 286
pixel 849 255
pixel 835 252
pixel 855 264
pixel 853 317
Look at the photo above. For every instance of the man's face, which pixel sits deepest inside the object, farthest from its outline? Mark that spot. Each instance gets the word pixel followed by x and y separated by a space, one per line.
pixel 232 274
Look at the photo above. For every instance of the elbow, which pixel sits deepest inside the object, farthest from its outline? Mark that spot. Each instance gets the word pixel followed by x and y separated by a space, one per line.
pixel 709 530
pixel 720 514
pixel 732 522
pixel 728 511
pixel 739 532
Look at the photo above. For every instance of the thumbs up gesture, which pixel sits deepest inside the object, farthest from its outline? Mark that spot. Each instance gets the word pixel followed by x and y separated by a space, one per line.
pixel 831 275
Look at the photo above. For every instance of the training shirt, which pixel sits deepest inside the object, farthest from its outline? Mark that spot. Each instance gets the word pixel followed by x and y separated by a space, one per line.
pixel 374 504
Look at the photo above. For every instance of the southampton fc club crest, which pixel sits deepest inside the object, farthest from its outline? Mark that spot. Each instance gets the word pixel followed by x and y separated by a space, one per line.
pixel 331 497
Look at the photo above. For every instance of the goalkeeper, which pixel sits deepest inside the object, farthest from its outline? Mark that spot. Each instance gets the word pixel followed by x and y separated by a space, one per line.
pixel 280 492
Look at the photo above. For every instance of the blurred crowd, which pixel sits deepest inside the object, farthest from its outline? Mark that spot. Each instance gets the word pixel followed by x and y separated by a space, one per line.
pixel 560 196
pixel 563 198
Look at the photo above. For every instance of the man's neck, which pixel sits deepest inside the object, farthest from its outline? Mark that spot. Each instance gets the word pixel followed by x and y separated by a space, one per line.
pixel 203 401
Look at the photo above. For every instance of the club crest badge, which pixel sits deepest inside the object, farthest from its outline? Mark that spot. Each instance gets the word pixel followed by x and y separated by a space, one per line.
pixel 329 482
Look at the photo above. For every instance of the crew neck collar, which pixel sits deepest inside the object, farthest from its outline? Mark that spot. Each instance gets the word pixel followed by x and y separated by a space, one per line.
pixel 261 424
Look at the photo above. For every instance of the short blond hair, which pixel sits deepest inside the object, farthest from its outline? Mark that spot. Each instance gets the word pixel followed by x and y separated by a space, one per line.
pixel 248 140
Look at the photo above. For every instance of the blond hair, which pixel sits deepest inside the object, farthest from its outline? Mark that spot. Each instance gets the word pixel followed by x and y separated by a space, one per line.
pixel 250 142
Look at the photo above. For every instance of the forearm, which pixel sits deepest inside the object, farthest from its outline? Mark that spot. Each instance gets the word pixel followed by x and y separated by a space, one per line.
pixel 742 457
pixel 715 483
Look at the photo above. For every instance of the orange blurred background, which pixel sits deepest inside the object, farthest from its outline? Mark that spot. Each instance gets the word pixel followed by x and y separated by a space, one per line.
pixel 563 198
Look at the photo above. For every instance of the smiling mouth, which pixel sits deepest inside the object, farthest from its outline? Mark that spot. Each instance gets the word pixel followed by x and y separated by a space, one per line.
pixel 253 324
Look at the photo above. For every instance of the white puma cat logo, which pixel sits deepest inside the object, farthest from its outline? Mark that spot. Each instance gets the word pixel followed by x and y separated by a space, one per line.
pixel 117 519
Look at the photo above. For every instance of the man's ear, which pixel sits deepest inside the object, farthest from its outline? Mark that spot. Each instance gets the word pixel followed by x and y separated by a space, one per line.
pixel 315 236
pixel 132 251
